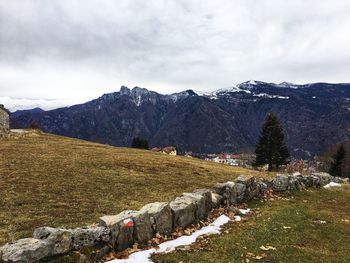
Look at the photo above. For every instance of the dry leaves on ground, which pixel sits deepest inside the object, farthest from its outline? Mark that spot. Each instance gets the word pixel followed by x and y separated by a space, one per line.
pixel 266 248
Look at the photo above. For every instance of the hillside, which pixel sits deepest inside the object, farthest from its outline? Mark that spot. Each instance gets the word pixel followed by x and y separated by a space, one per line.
pixel 315 116
pixel 57 181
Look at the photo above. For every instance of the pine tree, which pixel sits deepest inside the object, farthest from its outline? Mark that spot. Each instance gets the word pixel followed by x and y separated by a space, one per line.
pixel 140 143
pixel 271 148
pixel 338 161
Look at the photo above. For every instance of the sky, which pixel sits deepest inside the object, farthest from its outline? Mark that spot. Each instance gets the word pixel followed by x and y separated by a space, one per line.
pixel 61 52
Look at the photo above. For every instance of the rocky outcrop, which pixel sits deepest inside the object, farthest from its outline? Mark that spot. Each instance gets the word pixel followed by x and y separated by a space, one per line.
pixel 120 231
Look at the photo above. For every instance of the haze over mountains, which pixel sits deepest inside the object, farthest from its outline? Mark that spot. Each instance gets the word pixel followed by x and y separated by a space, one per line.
pixel 314 116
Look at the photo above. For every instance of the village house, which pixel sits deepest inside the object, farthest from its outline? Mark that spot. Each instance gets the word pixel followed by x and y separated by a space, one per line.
pixel 4 121
pixel 170 150
pixel 229 159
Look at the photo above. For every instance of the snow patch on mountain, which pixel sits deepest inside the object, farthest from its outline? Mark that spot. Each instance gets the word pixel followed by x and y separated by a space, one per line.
pixel 182 95
pixel 288 85
pixel 265 95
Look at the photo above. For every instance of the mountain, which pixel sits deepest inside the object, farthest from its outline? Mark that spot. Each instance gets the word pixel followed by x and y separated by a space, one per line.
pixel 314 116
pixel 30 111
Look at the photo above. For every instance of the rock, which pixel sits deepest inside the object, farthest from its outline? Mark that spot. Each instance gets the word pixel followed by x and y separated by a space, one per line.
pixel 340 180
pixel 325 178
pixel 227 191
pixel 239 190
pixel 61 239
pixel 292 183
pixel 121 227
pixel 206 193
pixel 296 182
pixel 184 211
pixel 280 183
pixel 216 199
pixel 201 208
pixel 142 227
pixel 247 180
pixel 311 181
pixel 160 216
pixel 252 190
pixel 25 250
pixel 221 188
pixel 83 237
pixel 262 186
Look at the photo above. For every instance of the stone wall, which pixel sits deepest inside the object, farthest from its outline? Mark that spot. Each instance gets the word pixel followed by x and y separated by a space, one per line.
pixel 4 121
pixel 118 232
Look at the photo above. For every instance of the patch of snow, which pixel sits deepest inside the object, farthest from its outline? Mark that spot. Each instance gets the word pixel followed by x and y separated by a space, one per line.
pixel 244 211
pixel 331 184
pixel 237 218
pixel 265 95
pixel 288 85
pixel 20 131
pixel 305 151
pixel 144 256
pixel 201 93
pixel 138 102
pixel 252 82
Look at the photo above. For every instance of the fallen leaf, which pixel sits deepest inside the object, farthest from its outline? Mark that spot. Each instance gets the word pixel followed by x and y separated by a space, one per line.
pixel 261 256
pixel 320 222
pixel 266 248
pixel 250 255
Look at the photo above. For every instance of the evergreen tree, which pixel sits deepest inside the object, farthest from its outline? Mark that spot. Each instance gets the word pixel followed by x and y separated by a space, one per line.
pixel 271 148
pixel 338 161
pixel 140 143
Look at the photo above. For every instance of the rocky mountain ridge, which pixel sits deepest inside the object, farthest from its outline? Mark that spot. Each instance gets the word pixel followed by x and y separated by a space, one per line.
pixel 315 116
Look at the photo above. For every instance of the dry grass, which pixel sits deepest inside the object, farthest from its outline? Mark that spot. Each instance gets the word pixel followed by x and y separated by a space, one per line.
pixel 58 181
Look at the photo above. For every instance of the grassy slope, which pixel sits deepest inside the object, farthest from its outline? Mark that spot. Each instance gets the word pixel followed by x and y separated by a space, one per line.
pixel 305 241
pixel 58 181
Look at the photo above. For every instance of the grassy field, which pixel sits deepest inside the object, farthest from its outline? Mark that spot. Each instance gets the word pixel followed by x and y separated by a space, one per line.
pixel 311 226
pixel 57 181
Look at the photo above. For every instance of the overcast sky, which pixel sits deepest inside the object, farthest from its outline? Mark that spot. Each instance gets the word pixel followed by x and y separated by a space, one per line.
pixel 73 51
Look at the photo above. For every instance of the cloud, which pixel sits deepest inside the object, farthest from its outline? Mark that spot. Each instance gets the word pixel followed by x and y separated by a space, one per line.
pixel 13 104
pixel 62 49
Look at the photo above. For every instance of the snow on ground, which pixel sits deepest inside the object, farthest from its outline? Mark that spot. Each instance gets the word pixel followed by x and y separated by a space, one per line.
pixel 331 184
pixel 20 131
pixel 238 218
pixel 244 211
pixel 144 256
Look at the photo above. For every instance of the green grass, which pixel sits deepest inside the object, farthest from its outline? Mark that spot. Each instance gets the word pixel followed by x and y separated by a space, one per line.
pixel 306 240
pixel 48 180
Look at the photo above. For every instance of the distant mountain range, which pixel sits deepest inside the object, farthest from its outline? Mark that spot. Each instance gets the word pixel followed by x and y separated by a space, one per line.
pixel 314 116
